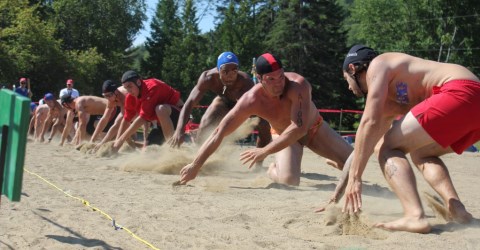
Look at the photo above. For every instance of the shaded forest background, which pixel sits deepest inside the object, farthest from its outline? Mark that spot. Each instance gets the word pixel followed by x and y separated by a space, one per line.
pixel 90 41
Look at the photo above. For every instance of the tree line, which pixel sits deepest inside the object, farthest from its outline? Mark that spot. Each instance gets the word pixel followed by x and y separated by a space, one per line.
pixel 50 41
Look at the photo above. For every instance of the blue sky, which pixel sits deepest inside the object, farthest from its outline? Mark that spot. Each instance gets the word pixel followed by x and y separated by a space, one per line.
pixel 205 24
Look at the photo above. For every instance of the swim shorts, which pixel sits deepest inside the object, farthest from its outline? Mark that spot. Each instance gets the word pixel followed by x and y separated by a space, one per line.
pixel 451 116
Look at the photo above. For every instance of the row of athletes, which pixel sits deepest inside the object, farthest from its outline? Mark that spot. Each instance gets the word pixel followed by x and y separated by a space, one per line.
pixel 429 96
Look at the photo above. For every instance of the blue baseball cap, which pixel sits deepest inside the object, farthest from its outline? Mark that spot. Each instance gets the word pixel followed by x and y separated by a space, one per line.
pixel 226 58
pixel 49 97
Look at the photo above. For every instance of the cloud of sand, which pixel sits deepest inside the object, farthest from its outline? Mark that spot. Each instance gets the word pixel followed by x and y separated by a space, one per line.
pixel 166 160
pixel 357 224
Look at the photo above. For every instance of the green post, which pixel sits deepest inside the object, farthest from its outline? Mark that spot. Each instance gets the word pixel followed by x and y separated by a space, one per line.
pixel 14 121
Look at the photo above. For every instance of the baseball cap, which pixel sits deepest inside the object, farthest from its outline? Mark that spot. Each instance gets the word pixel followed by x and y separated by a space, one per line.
pixel 226 58
pixel 359 53
pixel 130 76
pixel 267 63
pixel 69 81
pixel 66 98
pixel 23 79
pixel 109 86
pixel 49 97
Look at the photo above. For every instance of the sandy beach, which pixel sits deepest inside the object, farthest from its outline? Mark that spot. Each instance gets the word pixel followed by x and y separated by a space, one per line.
pixel 227 207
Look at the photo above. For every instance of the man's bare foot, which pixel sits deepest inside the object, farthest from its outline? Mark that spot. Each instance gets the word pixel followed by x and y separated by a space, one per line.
pixel 458 212
pixel 413 225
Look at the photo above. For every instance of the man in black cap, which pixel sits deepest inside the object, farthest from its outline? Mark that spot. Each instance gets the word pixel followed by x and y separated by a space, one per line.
pixel 284 100
pixel 439 102
pixel 149 100
pixel 115 94
pixel 87 109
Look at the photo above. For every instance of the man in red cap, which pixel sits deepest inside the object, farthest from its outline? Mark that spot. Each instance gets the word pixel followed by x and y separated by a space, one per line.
pixel 69 90
pixel 24 88
pixel 284 100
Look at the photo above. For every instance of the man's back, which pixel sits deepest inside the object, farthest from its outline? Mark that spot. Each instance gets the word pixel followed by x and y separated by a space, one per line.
pixel 410 79
pixel 93 105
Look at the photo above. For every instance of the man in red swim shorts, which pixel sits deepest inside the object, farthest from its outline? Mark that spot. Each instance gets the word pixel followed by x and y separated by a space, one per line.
pixel 439 102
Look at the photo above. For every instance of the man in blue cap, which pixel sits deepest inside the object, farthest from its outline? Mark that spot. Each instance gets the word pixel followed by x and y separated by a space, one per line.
pixel 229 84
pixel 56 115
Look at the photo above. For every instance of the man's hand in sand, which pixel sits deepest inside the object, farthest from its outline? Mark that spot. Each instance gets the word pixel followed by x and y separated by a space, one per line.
pixel 188 173
pixel 332 200
pixel 96 148
pixel 177 139
pixel 353 196
pixel 254 155
pixel 116 146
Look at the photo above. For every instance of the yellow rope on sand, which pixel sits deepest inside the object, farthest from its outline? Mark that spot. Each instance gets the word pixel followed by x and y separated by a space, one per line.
pixel 87 204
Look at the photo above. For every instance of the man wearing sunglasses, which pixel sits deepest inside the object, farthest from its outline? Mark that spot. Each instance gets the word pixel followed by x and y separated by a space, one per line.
pixel 229 84
pixel 87 109
pixel 115 94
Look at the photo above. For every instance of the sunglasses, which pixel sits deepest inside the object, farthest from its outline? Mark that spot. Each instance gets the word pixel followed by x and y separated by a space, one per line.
pixel 107 95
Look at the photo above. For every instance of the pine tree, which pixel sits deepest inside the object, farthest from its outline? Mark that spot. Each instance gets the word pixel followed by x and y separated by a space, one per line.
pixel 165 27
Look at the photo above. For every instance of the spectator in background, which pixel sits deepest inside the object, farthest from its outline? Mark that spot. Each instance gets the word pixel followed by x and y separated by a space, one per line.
pixel 24 89
pixel 69 90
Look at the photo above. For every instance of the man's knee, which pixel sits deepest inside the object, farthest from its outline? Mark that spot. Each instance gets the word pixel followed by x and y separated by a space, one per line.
pixel 163 111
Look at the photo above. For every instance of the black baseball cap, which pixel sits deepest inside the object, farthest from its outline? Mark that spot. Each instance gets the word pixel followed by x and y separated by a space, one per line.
pixel 109 86
pixel 357 54
pixel 66 98
pixel 130 76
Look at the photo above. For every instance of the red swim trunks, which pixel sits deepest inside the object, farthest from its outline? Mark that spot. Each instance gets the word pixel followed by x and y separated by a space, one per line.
pixel 451 116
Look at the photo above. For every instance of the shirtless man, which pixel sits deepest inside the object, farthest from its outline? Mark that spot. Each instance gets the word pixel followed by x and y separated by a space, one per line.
pixel 284 100
pixel 435 99
pixel 40 117
pixel 229 85
pixel 87 108
pixel 115 94
pixel 56 114
pixel 148 100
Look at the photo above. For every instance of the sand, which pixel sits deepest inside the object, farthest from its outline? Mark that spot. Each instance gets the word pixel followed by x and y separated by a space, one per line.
pixel 226 207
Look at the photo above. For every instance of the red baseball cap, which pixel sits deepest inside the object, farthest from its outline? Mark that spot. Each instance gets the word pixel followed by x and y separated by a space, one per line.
pixel 69 81
pixel 23 79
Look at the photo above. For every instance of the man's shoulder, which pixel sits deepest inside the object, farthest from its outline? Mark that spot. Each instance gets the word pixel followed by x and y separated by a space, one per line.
pixel 244 78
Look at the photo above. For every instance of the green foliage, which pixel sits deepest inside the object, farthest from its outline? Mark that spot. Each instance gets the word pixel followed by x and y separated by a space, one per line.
pixel 432 29
pixel 166 30
pixel 90 41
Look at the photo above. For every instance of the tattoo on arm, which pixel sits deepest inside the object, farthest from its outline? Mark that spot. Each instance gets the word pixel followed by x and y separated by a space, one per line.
pixel 390 168
pixel 299 114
